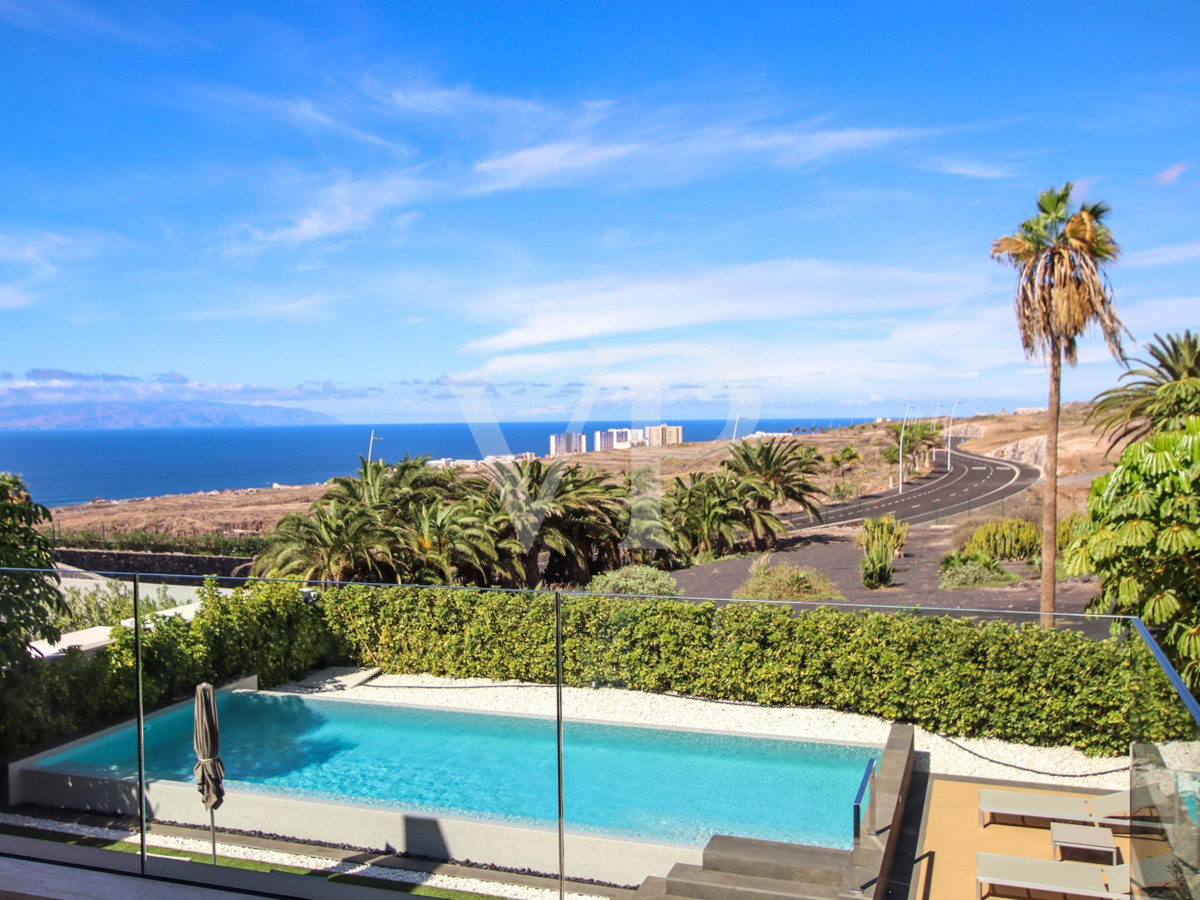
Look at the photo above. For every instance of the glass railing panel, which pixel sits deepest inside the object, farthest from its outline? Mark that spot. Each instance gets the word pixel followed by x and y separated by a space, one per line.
pixel 361 725
pixel 992 699
pixel 64 804
pixel 679 737
pixel 1165 774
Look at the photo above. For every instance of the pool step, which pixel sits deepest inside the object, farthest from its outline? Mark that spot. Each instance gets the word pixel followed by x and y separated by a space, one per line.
pixel 699 883
pixel 653 888
pixel 773 859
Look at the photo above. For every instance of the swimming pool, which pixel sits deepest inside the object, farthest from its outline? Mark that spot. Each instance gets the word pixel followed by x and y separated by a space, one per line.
pixel 657 784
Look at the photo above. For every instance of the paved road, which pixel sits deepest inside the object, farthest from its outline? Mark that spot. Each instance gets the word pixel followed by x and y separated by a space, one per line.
pixel 972 481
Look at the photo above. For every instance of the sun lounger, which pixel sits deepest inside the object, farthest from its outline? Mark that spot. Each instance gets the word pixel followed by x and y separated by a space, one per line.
pixel 1106 809
pixel 1067 878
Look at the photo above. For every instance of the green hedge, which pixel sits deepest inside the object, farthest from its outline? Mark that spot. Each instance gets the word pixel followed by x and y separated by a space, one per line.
pixel 266 629
pixel 160 542
pixel 950 675
pixel 1023 684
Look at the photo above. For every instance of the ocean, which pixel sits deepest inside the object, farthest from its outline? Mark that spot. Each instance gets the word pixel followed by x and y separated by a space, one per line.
pixel 67 466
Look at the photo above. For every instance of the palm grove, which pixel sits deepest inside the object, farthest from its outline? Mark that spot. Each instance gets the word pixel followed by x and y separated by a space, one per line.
pixel 523 523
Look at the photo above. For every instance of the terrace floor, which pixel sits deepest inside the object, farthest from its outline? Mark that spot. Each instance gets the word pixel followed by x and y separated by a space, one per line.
pixel 945 867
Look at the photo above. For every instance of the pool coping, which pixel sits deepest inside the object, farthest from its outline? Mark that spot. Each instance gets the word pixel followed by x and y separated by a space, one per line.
pixel 622 723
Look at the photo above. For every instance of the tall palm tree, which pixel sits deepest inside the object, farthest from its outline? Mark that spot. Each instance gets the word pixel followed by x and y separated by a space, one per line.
pixel 1060 256
pixel 1162 392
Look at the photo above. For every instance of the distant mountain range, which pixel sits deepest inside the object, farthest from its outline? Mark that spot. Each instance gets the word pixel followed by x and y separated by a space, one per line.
pixel 156 414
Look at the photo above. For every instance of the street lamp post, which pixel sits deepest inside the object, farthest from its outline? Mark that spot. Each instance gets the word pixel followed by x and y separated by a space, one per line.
pixel 949 436
pixel 371 444
pixel 903 425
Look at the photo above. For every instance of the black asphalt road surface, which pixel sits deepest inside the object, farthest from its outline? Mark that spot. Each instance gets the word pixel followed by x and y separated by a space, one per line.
pixel 970 483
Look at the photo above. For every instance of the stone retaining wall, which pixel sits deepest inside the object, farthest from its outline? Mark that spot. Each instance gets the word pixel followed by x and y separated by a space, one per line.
pixel 185 564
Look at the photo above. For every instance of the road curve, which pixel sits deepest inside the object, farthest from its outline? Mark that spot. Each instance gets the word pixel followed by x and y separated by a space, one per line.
pixel 971 482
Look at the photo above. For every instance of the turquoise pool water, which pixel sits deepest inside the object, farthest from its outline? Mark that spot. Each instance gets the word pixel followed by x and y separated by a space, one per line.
pixel 666 785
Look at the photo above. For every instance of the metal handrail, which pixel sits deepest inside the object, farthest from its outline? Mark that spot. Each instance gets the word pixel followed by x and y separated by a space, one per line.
pixel 1160 657
pixel 868 774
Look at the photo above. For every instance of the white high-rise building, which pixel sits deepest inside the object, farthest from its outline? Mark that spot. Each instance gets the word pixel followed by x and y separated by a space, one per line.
pixel 568 442
pixel 664 435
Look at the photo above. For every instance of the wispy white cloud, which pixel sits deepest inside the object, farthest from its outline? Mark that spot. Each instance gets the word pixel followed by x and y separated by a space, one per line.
pixel 968 168
pixel 624 236
pixel 546 164
pixel 1164 256
pixel 337 209
pixel 519 145
pixel 51 386
pixel 311 308
pixel 69 19
pixel 30 262
pixel 1171 174
pixel 303 112
pixel 786 289
pixel 458 102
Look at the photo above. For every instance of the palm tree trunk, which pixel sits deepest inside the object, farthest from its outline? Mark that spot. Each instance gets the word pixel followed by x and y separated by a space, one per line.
pixel 1050 501
pixel 532 573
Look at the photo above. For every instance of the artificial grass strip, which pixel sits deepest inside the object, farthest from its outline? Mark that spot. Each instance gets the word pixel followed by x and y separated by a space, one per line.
pixel 252 865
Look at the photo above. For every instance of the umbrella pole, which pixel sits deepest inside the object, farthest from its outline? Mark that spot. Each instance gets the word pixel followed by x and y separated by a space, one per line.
pixel 212 830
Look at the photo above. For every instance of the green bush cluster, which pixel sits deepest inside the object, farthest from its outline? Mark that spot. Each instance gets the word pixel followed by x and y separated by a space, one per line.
pixel 966 570
pixel 641 580
pixel 784 581
pixel 1024 684
pixel 267 629
pixel 158 542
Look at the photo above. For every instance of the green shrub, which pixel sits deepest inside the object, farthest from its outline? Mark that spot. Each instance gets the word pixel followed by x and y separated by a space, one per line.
pixel 645 581
pixel 263 628
pixel 785 582
pixel 966 570
pixel 159 542
pixel 949 675
pixel 880 541
pixel 1010 539
pixel 107 604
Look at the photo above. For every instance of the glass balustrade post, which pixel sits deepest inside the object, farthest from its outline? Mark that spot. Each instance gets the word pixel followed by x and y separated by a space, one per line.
pixel 141 721
pixel 558 716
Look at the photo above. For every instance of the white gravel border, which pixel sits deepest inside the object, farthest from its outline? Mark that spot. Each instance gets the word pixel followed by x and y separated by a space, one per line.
pixel 315 863
pixel 983 758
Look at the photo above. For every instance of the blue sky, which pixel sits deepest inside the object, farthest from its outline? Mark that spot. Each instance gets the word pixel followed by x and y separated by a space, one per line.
pixel 420 211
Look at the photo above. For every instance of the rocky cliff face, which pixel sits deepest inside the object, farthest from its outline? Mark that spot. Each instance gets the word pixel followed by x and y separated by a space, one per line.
pixel 1031 451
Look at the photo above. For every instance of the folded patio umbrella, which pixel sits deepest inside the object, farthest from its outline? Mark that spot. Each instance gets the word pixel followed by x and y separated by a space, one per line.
pixel 209 770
